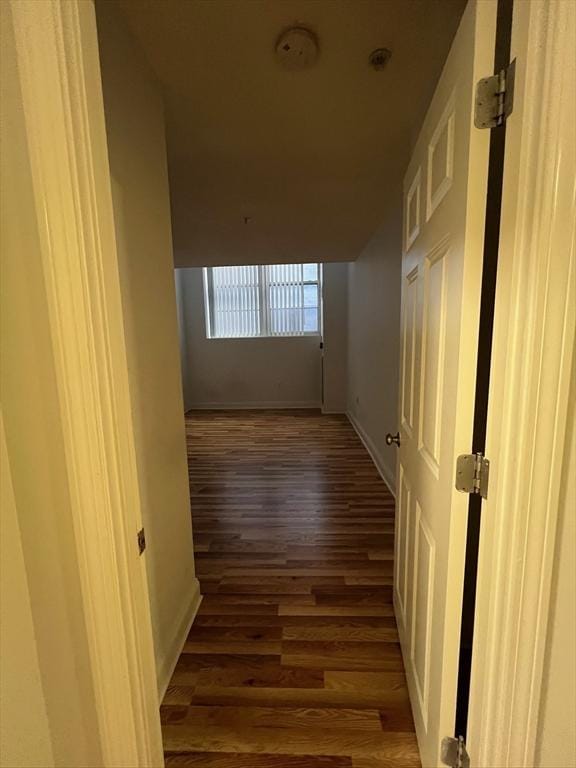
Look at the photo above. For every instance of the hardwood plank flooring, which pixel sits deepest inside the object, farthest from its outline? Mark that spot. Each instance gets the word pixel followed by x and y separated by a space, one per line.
pixel 293 660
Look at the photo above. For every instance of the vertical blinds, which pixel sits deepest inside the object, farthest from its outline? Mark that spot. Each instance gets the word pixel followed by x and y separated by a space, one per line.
pixel 271 300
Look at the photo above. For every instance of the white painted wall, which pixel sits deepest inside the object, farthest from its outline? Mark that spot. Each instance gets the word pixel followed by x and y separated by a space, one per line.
pixel 373 338
pixel 556 740
pixel 182 337
pixel 263 372
pixel 335 316
pixel 47 710
pixel 137 153
pixel 25 738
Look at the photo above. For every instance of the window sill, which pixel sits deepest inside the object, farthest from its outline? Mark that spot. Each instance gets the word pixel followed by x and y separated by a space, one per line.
pixel 314 335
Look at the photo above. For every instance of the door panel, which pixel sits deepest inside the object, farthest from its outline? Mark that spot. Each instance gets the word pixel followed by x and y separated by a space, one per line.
pixel 425 552
pixel 432 358
pixel 408 350
pixel 440 159
pixel 442 268
pixel 403 513
pixel 413 210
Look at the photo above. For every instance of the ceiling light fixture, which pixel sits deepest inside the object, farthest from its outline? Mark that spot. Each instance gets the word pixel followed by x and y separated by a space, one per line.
pixel 379 58
pixel 297 48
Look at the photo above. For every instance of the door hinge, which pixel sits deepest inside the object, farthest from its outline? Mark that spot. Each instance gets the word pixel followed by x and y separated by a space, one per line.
pixel 495 98
pixel 472 473
pixel 141 541
pixel 453 752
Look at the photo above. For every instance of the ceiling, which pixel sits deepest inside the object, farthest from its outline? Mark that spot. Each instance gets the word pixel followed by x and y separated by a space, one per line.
pixel 310 157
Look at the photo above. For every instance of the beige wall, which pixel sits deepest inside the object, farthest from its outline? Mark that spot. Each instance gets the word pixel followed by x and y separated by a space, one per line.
pixel 25 738
pixel 136 146
pixel 272 372
pixel 182 336
pixel 556 741
pixel 46 681
pixel 373 338
pixel 335 310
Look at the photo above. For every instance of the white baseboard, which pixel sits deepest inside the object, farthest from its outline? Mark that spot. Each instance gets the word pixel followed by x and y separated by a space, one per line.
pixel 165 666
pixel 260 405
pixel 384 471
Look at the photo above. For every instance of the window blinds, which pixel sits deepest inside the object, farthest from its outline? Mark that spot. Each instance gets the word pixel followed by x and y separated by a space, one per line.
pixel 272 300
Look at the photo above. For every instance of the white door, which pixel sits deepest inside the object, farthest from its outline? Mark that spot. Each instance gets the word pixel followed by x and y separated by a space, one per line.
pixel 444 208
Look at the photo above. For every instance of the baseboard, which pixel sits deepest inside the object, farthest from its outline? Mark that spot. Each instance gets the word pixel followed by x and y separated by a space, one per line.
pixel 260 405
pixel 383 470
pixel 165 666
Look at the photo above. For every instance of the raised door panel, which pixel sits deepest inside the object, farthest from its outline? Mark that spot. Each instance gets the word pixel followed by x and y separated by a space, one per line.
pixel 422 610
pixel 432 355
pixel 440 161
pixel 412 212
pixel 402 557
pixel 411 287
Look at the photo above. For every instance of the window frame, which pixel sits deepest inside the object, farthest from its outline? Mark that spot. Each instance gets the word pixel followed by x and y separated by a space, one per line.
pixel 264 285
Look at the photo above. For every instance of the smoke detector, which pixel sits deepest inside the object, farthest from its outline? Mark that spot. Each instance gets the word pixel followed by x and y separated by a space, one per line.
pixel 297 48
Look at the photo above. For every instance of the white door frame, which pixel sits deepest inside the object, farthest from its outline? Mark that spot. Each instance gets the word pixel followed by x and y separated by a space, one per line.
pixel 532 369
pixel 59 72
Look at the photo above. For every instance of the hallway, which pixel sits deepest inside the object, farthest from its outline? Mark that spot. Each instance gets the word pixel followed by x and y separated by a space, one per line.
pixel 293 660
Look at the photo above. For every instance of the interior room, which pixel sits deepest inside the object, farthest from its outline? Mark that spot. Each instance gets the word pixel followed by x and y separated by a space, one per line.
pixel 287 428
pixel 255 161
pixel 277 138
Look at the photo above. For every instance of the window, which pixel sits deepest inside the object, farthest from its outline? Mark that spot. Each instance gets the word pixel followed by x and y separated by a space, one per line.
pixel 273 300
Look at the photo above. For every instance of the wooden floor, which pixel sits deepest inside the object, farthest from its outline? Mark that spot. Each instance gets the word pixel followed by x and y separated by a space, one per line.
pixel 293 660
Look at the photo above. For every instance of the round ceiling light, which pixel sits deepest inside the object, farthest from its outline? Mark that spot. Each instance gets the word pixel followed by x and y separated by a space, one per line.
pixel 379 58
pixel 297 48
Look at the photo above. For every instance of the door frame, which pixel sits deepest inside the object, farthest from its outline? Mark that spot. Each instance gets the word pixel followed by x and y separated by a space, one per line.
pixel 532 373
pixel 59 72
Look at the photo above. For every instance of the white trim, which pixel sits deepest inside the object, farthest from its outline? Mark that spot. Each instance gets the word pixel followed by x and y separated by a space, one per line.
pixel 258 405
pixel 386 474
pixel 533 350
pixel 166 666
pixel 261 337
pixel 58 68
